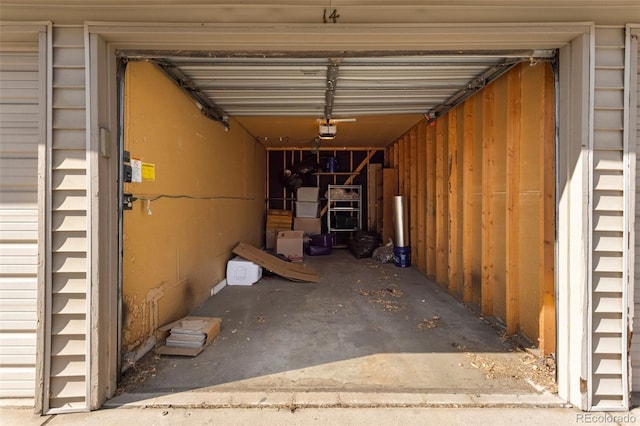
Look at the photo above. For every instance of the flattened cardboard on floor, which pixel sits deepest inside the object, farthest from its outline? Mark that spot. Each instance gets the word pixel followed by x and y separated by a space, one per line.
pixel 291 271
pixel 211 328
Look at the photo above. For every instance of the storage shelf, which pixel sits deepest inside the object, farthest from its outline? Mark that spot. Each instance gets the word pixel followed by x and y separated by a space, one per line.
pixel 336 205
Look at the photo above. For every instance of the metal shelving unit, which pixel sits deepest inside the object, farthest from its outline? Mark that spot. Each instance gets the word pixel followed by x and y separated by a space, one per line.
pixel 345 202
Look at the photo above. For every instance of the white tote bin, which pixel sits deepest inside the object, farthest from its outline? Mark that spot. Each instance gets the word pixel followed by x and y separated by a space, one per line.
pixel 241 271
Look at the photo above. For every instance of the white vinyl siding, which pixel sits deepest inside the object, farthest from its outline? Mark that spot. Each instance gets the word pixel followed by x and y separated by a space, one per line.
pixel 21 131
pixel 66 379
pixel 635 122
pixel 608 388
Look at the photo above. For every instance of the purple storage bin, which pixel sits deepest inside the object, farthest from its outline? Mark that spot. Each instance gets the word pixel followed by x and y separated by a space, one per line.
pixel 323 240
pixel 318 250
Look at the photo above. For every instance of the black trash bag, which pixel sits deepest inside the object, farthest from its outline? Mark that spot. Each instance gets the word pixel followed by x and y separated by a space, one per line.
pixel 363 244
pixel 291 181
pixel 307 166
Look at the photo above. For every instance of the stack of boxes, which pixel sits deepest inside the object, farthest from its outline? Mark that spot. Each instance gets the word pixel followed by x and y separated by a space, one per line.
pixel 307 209
pixel 277 220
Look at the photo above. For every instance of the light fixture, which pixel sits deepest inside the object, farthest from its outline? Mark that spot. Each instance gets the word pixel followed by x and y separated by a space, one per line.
pixel 327 131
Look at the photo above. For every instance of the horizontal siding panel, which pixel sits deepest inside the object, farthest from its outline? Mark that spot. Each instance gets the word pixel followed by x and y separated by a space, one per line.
pixel 17 374
pixel 608 202
pixel 10 94
pixel 69 242
pixel 18 215
pixel 69 181
pixel 69 283
pixel 20 200
pixel 18 235
pixel 69 263
pixel 18 249
pixel 610 77
pixel 607 284
pixel 607 243
pixel 68 324
pixel 607 304
pixel 69 200
pixel 69 139
pixel 608 366
pixel 68 77
pixel 67 346
pixel 68 366
pixel 68 36
pixel 20 349
pixel 608 160
pixel 72 97
pixel 607 325
pixel 68 221
pixel 19 360
pixel 609 57
pixel 611 181
pixel 9 295
pixel 69 119
pixel 19 305
pixel 9 283
pixel 608 98
pixel 69 304
pixel 65 387
pixel 611 262
pixel 70 160
pixel 607 345
pixel 608 386
pixel 609 138
pixel 68 56
pixel 16 340
pixel 607 222
pixel 608 119
pixel 15 325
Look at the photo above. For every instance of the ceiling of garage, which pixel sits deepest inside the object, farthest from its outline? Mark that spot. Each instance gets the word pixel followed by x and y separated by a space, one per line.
pixel 280 98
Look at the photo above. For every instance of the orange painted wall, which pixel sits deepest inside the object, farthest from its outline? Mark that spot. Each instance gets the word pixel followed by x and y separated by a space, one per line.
pixel 176 253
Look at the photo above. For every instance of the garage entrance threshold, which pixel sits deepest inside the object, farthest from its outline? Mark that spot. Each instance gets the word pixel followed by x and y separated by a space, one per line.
pixel 367 335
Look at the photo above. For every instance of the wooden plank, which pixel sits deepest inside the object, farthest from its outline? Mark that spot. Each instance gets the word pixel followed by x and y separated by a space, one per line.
pixel 373 196
pixel 413 193
pixel 422 200
pixel 441 202
pixel 401 165
pixel 467 203
pixel 514 116
pixel 454 273
pixel 547 302
pixel 431 201
pixel 488 136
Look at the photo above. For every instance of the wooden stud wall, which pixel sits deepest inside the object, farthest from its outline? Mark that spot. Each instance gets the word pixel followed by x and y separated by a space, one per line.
pixel 480 186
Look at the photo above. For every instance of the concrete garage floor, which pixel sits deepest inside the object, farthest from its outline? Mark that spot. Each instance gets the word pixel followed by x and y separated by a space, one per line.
pixel 366 328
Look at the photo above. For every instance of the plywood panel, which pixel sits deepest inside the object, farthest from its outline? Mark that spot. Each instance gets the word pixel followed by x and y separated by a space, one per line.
pixel 421 197
pixel 431 201
pixel 467 203
pixel 488 143
pixel 413 193
pixel 454 221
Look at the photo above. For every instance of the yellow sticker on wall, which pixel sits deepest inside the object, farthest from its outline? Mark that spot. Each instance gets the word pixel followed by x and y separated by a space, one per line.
pixel 148 172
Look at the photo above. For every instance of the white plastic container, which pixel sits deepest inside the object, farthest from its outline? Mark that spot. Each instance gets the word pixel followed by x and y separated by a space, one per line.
pixel 307 193
pixel 241 271
pixel 307 209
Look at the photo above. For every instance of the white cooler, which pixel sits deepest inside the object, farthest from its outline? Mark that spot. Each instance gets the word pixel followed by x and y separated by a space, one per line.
pixel 241 271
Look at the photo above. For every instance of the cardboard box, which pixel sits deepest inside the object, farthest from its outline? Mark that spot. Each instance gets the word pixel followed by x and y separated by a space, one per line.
pixel 210 327
pixel 279 219
pixel 242 272
pixel 307 208
pixel 270 237
pixel 289 244
pixel 291 271
pixel 308 225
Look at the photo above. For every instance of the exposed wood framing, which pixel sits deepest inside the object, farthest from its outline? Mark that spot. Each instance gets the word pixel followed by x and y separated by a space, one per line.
pixel 413 193
pixel 467 204
pixel 480 181
pixel 453 222
pixel 488 142
pixel 441 200
pixel 514 115
pixel 421 196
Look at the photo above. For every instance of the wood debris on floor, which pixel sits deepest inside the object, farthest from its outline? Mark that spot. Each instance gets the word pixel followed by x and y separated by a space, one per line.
pixel 434 322
pixel 384 297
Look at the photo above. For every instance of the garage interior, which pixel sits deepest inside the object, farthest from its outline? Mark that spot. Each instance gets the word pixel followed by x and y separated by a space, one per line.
pixel 467 138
